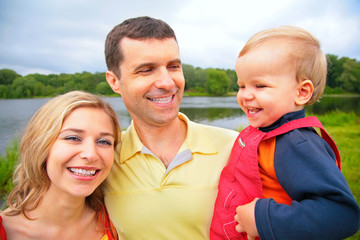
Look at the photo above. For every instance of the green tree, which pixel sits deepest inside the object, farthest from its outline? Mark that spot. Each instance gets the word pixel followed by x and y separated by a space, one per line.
pixel 23 87
pixel 350 76
pixel 335 68
pixel 103 88
pixel 232 75
pixel 3 91
pixel 88 81
pixel 218 83
pixel 195 78
pixel 189 75
pixel 7 76
pixel 39 89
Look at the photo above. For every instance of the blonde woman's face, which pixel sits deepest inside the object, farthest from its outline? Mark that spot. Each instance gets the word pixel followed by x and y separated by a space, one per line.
pixel 83 153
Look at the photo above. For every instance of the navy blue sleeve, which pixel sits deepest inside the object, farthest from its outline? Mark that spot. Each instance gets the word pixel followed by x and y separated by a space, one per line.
pixel 323 206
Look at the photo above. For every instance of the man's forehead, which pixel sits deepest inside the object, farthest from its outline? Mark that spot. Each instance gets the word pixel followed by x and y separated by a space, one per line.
pixel 126 41
pixel 149 48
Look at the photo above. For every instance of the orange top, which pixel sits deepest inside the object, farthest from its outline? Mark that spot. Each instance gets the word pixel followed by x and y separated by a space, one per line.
pixel 109 230
pixel 271 186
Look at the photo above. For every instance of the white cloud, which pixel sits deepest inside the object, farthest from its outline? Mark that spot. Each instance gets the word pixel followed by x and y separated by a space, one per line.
pixel 68 36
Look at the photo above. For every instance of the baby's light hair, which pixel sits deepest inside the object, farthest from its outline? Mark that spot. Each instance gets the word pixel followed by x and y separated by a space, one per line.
pixel 310 62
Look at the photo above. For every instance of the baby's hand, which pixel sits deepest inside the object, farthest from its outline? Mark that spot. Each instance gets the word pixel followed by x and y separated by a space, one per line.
pixel 245 216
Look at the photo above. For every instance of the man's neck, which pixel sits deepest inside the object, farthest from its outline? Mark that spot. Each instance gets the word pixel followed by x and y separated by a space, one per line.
pixel 164 141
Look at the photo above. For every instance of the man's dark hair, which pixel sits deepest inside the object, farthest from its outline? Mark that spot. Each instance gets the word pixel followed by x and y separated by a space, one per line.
pixel 140 28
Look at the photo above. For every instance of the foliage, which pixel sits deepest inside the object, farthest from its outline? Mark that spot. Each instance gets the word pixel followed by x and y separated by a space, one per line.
pixel 343 77
pixel 7 167
pixel 343 73
pixel 7 76
pixel 338 118
pixel 195 77
pixel 39 85
pixel 218 83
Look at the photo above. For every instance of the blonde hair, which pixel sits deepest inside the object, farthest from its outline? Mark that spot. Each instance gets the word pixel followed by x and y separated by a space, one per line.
pixel 310 61
pixel 30 176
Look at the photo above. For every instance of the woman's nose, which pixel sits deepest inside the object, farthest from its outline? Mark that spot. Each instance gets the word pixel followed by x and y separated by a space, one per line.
pixel 89 151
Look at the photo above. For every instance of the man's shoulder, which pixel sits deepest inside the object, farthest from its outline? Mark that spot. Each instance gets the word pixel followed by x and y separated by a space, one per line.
pixel 214 130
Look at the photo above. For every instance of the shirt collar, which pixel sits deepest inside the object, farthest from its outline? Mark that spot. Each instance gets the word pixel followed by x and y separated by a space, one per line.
pixel 197 140
pixel 284 119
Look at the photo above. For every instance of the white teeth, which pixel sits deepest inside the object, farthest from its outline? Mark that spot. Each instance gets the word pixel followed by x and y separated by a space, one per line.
pixel 252 110
pixel 161 100
pixel 82 172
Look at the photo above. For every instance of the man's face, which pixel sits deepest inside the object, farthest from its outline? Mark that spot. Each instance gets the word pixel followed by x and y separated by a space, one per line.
pixel 151 82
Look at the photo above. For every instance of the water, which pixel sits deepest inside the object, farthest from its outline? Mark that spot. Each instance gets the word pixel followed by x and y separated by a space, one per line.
pixel 216 111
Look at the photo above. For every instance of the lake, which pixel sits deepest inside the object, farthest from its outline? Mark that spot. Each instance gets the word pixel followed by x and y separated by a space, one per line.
pixel 216 111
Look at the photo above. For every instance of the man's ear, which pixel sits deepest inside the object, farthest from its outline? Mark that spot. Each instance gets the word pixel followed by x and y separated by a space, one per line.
pixel 113 81
pixel 305 92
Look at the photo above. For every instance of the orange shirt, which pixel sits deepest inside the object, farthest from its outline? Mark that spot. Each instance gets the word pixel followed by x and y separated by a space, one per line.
pixel 271 186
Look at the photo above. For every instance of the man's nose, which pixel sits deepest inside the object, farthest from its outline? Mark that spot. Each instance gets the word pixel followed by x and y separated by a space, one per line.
pixel 164 80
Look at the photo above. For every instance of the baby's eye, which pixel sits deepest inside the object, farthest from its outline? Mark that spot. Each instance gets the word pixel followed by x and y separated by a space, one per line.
pixel 260 86
pixel 105 142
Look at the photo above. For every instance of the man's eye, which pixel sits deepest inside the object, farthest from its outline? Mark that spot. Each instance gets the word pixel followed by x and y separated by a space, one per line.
pixel 174 66
pixel 145 70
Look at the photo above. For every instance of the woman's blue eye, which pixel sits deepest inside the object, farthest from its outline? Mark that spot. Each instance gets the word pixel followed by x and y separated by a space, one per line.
pixel 106 142
pixel 72 138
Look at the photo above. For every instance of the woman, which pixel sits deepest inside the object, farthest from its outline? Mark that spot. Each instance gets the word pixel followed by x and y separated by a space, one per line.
pixel 67 150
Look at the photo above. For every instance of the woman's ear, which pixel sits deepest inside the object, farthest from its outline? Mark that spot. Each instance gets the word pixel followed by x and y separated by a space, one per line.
pixel 113 81
pixel 305 92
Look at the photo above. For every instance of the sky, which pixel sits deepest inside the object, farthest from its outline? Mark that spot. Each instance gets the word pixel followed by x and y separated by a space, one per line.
pixel 67 36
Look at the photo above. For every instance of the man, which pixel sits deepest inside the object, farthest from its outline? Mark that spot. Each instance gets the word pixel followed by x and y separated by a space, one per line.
pixel 164 180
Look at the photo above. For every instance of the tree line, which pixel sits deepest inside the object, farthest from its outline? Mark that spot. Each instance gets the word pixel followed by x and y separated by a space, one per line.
pixel 343 77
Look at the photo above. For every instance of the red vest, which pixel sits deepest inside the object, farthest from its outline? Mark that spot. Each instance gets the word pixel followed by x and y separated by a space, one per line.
pixel 240 180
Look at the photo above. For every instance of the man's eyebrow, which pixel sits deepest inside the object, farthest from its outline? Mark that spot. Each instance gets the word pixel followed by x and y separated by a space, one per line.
pixel 148 64
pixel 143 65
pixel 176 61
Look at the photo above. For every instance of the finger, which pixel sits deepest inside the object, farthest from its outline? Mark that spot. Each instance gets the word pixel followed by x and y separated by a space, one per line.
pixel 239 229
pixel 250 238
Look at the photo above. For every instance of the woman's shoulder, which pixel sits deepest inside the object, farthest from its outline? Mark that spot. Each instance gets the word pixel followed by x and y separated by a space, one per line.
pixel 12 225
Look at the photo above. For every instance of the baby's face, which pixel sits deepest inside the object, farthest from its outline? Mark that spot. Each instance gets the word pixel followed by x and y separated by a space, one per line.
pixel 267 83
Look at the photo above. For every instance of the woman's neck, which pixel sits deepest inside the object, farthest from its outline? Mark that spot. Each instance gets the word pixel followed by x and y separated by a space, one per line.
pixel 60 208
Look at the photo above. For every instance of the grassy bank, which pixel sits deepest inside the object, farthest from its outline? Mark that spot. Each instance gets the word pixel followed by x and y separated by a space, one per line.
pixel 7 166
pixel 345 131
pixel 344 128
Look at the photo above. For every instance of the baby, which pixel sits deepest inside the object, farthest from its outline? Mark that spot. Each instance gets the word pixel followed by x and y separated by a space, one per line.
pixel 283 180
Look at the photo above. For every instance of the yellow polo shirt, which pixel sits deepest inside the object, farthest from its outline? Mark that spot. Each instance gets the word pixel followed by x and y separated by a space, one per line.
pixel 147 201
